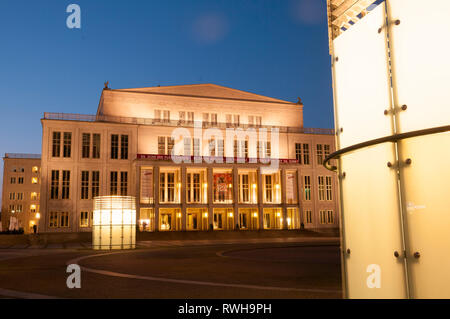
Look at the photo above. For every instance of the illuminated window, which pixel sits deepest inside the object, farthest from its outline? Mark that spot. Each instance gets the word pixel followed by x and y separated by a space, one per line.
pixel 19 208
pixel 33 208
pixel 34 180
pixel 147 220
pixel 272 188
pixel 167 187
pixel 272 218
pixel 35 169
pixel 196 146
pixel 34 196
pixel 193 188
pixel 84 219
pixel 223 186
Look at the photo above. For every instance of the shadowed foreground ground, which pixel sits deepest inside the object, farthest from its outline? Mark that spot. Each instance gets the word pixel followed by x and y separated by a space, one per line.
pixel 298 268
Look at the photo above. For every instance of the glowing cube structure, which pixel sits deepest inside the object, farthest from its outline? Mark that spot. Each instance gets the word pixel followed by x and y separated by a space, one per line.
pixel 114 224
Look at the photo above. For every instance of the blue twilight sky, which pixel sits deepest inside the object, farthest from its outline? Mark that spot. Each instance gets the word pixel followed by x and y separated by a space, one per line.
pixel 277 48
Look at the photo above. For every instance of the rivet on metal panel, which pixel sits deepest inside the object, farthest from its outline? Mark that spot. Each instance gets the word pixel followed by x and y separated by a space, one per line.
pixel 386 112
pixel 342 129
pixel 404 107
pixel 408 161
pixel 348 251
pixel 380 29
pixel 417 255
pixel 396 254
pixel 397 22
pixel 344 174
pixel 389 164
pixel 336 59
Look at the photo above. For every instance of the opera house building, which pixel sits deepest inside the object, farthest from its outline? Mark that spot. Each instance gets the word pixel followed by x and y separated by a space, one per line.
pixel 196 158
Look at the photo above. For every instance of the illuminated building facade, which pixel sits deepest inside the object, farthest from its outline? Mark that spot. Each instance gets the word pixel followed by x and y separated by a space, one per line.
pixel 240 160
pixel 21 191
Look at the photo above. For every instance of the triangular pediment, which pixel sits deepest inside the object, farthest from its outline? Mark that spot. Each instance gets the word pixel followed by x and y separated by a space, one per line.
pixel 205 90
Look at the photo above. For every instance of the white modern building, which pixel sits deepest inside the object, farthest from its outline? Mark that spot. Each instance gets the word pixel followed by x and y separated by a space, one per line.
pixel 196 157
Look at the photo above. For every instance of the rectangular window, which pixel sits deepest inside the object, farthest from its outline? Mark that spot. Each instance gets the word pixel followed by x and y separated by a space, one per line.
pixel 167 187
pixel 12 196
pixel 53 220
pixel 64 219
pixel 67 149
pixel 113 183
pixel 124 147
pixel 321 187
pixel 86 145
pixel 65 185
pixel 213 118
pixel 205 118
pixel 190 117
pixel 157 115
pixel 268 188
pixel 326 149
pixel 235 148
pixel 124 183
pixel 166 116
pixel 20 180
pixel 181 117
pixel 244 149
pixel 193 187
pixel 298 152
pixel 114 146
pixel 306 154
pixel 170 145
pixel 95 184
pixel 12 209
pixel 54 186
pixel 96 146
pixel 19 196
pixel 319 154
pixel 19 208
pixel 13 180
pixel 307 187
pixel 236 119
pixel 85 185
pixel 84 219
pixel 268 149
pixel 308 216
pixel 34 196
pixel 330 217
pixel 56 144
pixel 323 217
pixel 161 145
pixel 329 188
pixel 251 120
pixel 244 191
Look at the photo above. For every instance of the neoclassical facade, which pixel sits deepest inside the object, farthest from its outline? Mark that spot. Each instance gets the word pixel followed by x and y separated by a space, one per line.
pixel 196 157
